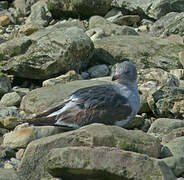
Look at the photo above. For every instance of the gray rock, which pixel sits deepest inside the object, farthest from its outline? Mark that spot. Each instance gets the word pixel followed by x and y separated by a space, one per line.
pixel 181 57
pixel 11 99
pixel 46 52
pixel 176 164
pixel 140 7
pixel 154 9
pixel 176 146
pixel 171 23
pixel 8 174
pixel 8 111
pixel 160 8
pixel 154 78
pixel 95 33
pixel 110 28
pixel 85 162
pixel 144 51
pixel 68 77
pixel 179 73
pixel 78 8
pixel 5 84
pixel 98 71
pixel 128 20
pixel 40 16
pixel 178 132
pixel 92 135
pixel 164 126
pixel 22 137
pixel 167 102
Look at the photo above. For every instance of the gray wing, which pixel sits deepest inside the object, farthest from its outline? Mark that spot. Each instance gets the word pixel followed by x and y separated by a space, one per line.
pixel 96 104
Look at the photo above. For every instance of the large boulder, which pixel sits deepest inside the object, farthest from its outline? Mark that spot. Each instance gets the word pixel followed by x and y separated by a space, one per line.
pixel 91 135
pixel 153 9
pixel 46 53
pixel 104 163
pixel 171 23
pixel 77 8
pixel 144 51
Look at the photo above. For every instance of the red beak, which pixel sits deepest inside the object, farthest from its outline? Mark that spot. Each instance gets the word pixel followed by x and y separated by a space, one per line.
pixel 115 77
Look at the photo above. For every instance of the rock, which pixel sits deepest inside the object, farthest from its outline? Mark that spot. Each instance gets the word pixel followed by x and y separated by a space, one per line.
pixel 4 4
pixel 68 77
pixel 176 146
pixel 144 51
pixel 154 78
pixel 171 23
pixel 5 84
pixel 167 102
pixel 160 8
pixel 179 73
pixel 11 99
pixel 4 20
pixel 128 20
pixel 95 33
pixel 9 122
pixel 110 28
pixel 85 162
pixel 20 153
pixel 8 174
pixel 8 111
pixel 164 126
pixel 40 99
pixel 46 52
pixel 22 137
pixel 78 8
pixel 98 71
pixel 176 164
pixel 92 135
pixel 2 132
pixel 181 57
pixel 40 16
pixel 140 7
pixel 148 8
pixel 28 29
pixel 178 132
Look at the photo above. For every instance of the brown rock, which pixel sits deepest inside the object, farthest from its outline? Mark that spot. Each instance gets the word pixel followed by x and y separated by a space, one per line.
pixel 4 20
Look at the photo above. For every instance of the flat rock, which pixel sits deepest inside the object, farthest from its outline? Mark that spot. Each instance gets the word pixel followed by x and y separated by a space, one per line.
pixel 104 163
pixel 68 77
pixel 92 135
pixel 144 51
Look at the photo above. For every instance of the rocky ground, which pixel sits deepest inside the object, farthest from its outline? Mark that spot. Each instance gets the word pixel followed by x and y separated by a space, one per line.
pixel 50 48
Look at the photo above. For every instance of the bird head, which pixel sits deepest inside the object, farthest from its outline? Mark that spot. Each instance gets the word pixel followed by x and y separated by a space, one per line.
pixel 125 72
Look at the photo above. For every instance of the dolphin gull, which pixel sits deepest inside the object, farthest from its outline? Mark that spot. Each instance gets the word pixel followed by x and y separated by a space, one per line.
pixel 110 104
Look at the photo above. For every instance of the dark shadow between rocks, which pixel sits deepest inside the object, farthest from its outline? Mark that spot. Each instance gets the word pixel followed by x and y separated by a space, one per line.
pixel 81 174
